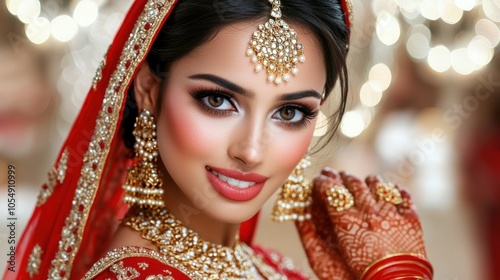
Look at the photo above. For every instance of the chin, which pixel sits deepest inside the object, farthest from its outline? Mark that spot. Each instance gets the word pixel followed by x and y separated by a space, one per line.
pixel 233 213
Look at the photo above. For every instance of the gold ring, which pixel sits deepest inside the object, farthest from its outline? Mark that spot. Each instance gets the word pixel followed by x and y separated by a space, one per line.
pixel 388 192
pixel 340 198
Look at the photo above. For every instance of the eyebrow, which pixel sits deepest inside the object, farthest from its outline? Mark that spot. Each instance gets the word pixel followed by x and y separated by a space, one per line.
pixel 237 89
pixel 223 83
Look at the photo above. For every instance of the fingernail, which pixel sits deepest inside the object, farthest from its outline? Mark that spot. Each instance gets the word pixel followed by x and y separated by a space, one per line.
pixel 330 172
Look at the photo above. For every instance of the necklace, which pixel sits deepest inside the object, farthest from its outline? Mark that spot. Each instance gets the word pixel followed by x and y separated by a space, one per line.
pixel 187 250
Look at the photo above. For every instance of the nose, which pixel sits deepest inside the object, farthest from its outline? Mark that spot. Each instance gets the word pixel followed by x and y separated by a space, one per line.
pixel 249 144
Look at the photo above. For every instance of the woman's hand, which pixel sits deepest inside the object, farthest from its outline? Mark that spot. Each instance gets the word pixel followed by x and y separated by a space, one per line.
pixel 341 244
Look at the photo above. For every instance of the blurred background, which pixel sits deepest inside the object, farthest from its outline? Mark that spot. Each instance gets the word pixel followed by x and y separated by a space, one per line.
pixel 424 110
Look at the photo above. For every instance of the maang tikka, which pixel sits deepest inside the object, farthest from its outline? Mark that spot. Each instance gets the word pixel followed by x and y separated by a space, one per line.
pixel 294 201
pixel 144 183
pixel 274 47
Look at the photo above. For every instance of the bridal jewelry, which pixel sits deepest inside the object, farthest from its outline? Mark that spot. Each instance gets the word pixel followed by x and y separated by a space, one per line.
pixel 295 197
pixel 185 249
pixel 388 192
pixel 340 198
pixel 144 184
pixel 274 47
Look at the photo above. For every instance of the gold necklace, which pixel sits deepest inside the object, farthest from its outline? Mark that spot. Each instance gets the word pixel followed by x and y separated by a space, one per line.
pixel 187 250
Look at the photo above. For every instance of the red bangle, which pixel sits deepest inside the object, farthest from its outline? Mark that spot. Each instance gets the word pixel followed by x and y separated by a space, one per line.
pixel 401 266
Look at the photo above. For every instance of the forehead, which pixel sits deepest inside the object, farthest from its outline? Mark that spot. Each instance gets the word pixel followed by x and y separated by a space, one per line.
pixel 225 56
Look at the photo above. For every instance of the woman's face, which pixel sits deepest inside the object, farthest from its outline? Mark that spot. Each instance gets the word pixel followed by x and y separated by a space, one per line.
pixel 227 138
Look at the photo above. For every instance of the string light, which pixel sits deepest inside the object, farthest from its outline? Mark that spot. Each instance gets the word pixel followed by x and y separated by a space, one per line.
pixel 85 13
pixel 62 27
pixel 491 9
pixel 387 28
pixel 38 31
pixel 470 51
pixel 489 30
pixel 449 12
pixel 370 94
pixel 352 124
pixel 28 10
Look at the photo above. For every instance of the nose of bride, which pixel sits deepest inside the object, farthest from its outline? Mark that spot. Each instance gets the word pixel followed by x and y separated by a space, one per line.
pixel 248 151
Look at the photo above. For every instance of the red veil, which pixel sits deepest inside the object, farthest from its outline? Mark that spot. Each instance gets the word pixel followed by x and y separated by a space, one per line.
pixel 80 206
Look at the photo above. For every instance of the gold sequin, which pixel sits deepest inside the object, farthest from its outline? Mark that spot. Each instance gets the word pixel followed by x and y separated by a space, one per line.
pixel 119 254
pixel 34 261
pixel 124 273
pixel 55 176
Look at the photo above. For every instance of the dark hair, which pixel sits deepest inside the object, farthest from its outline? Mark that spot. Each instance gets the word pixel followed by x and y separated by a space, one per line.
pixel 194 22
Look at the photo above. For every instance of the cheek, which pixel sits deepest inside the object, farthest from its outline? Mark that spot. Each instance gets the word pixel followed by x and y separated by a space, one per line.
pixel 183 130
pixel 289 148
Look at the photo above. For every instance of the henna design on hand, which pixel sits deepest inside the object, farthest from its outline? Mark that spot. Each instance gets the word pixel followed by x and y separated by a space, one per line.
pixel 340 245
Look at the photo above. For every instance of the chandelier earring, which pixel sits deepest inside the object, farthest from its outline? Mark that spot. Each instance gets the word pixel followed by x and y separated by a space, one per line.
pixel 295 197
pixel 144 183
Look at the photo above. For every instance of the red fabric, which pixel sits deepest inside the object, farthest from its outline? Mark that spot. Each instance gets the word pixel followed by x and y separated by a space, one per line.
pixel 280 263
pixel 134 265
pixel 347 15
pixel 248 228
pixel 131 265
pixel 399 267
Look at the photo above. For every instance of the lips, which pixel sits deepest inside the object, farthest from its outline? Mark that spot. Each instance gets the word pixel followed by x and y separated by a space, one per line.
pixel 235 185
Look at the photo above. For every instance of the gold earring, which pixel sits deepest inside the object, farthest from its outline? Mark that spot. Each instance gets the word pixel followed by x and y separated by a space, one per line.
pixel 144 183
pixel 295 197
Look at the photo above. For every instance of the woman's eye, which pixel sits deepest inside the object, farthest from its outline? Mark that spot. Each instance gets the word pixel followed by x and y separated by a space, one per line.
pixel 217 101
pixel 289 114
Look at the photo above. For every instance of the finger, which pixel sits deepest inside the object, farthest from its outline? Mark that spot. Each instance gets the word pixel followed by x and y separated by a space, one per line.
pixel 332 173
pixel 331 194
pixel 407 208
pixel 383 207
pixel 364 200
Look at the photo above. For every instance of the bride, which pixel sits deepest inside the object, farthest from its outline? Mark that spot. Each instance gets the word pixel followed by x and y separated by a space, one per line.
pixel 198 113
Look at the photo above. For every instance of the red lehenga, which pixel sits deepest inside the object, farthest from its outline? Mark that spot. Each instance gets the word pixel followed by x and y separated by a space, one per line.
pixel 80 206
pixel 142 263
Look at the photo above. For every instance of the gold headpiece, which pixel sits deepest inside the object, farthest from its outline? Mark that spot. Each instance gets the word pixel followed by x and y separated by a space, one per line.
pixel 275 47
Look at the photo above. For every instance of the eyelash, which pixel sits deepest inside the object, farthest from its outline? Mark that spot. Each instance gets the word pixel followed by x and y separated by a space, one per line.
pixel 201 93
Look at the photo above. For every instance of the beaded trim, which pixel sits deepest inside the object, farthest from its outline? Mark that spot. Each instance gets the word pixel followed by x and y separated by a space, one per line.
pixel 127 252
pixel 55 176
pixel 348 13
pixel 132 54
pixel 34 261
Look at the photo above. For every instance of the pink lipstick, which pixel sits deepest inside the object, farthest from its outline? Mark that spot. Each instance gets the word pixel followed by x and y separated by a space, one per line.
pixel 234 184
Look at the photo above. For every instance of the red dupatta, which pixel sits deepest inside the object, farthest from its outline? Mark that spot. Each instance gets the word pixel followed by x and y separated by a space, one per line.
pixel 80 206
